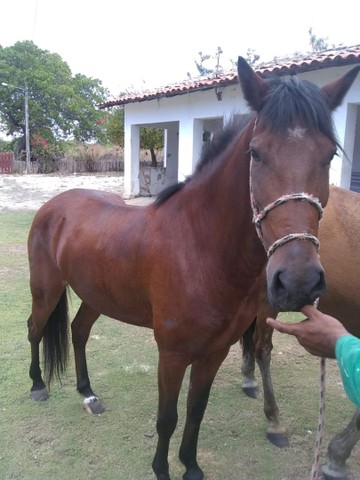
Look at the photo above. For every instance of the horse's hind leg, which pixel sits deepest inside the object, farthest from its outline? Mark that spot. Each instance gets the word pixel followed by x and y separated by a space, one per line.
pixel 80 327
pixel 48 321
pixel 340 448
pixel 38 390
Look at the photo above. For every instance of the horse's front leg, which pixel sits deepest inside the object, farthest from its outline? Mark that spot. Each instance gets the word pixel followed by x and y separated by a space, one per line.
pixel 80 328
pixel 203 372
pixel 340 448
pixel 171 370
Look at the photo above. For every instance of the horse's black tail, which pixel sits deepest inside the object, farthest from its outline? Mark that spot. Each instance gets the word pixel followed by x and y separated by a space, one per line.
pixel 56 341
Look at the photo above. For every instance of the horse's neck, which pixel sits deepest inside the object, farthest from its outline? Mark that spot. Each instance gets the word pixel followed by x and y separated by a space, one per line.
pixel 222 197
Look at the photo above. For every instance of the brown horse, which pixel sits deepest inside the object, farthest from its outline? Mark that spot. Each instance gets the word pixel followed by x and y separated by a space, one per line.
pixel 339 236
pixel 189 266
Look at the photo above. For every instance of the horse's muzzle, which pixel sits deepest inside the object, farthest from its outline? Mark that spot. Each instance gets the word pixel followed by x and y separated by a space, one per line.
pixel 291 287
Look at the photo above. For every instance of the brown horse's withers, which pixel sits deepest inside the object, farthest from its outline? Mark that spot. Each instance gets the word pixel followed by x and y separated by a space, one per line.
pixel 189 266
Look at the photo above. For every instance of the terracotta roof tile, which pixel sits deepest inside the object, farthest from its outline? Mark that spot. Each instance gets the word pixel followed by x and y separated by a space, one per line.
pixel 278 67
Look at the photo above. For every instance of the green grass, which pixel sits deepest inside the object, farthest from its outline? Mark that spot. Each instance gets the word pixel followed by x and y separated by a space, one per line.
pixel 57 440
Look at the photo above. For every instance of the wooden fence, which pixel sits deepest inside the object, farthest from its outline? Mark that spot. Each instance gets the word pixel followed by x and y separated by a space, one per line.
pixel 6 162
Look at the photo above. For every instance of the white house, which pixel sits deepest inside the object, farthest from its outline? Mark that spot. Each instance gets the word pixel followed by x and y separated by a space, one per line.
pixel 189 109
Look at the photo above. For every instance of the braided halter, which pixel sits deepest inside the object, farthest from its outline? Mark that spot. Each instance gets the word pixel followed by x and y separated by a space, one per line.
pixel 259 215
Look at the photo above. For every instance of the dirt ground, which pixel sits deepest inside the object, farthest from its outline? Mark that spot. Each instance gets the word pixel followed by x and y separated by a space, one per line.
pixel 29 192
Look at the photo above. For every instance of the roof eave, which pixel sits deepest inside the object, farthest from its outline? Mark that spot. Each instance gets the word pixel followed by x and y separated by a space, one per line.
pixel 320 62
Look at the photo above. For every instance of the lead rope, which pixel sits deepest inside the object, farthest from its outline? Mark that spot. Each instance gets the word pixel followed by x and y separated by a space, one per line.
pixel 315 473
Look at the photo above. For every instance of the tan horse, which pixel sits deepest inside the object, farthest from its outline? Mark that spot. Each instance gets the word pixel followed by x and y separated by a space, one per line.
pixel 340 255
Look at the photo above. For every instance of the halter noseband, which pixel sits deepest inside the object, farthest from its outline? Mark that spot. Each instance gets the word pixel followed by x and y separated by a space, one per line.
pixel 259 215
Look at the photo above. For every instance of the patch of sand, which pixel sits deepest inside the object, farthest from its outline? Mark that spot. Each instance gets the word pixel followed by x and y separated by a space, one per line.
pixel 29 192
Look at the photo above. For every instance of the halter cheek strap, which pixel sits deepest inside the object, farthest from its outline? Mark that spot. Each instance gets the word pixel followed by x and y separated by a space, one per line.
pixel 259 215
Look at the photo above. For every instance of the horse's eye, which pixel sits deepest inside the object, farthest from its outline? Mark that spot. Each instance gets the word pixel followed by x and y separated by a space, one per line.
pixel 254 155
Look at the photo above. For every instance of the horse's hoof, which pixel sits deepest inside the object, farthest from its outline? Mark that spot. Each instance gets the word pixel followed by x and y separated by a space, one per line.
pixel 39 395
pixel 330 477
pixel 93 406
pixel 193 474
pixel 252 392
pixel 329 474
pixel 280 440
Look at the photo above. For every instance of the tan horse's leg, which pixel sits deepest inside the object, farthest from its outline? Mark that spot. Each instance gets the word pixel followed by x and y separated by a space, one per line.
pixel 258 347
pixel 202 376
pixel 276 433
pixel 340 448
pixel 80 328
pixel 250 386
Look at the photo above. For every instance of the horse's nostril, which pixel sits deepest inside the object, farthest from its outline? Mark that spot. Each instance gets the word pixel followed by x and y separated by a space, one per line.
pixel 321 285
pixel 279 286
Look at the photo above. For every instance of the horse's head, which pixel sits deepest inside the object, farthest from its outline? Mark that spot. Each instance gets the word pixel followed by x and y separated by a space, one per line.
pixel 291 148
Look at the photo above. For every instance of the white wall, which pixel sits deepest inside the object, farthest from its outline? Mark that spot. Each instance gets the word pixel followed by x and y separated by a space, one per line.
pixel 191 109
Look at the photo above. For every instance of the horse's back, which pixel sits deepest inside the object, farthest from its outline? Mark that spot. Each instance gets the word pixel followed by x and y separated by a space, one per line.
pixel 81 205
pixel 90 240
pixel 76 214
pixel 77 197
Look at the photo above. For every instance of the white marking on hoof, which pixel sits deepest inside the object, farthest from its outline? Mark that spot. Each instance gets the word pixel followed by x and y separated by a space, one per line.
pixel 88 402
pixel 91 399
pixel 250 383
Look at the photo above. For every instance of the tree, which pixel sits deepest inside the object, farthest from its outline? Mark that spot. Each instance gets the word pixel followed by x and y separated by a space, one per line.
pixel 318 44
pixel 151 139
pixel 217 68
pixel 115 127
pixel 60 105
pixel 251 56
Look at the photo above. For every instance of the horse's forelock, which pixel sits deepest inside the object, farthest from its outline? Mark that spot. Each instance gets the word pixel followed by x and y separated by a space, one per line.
pixel 291 101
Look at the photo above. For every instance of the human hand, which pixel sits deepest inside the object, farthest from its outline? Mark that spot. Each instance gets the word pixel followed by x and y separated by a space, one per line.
pixel 317 334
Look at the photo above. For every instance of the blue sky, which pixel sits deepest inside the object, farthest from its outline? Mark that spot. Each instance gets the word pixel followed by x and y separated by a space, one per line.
pixel 143 43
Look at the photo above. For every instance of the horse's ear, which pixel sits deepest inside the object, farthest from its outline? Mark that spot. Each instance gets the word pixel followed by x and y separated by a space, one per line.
pixel 336 90
pixel 253 87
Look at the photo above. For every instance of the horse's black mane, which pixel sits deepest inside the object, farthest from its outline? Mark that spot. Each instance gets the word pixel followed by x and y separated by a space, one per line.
pixel 210 152
pixel 289 101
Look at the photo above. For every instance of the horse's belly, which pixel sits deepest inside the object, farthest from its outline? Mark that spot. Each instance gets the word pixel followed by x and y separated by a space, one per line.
pixel 121 304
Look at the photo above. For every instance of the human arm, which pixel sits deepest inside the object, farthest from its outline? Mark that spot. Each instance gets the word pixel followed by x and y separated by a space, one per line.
pixel 318 333
pixel 348 356
pixel 325 336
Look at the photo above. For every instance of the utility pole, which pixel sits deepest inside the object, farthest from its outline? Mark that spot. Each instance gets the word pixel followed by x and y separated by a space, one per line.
pixel 27 132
